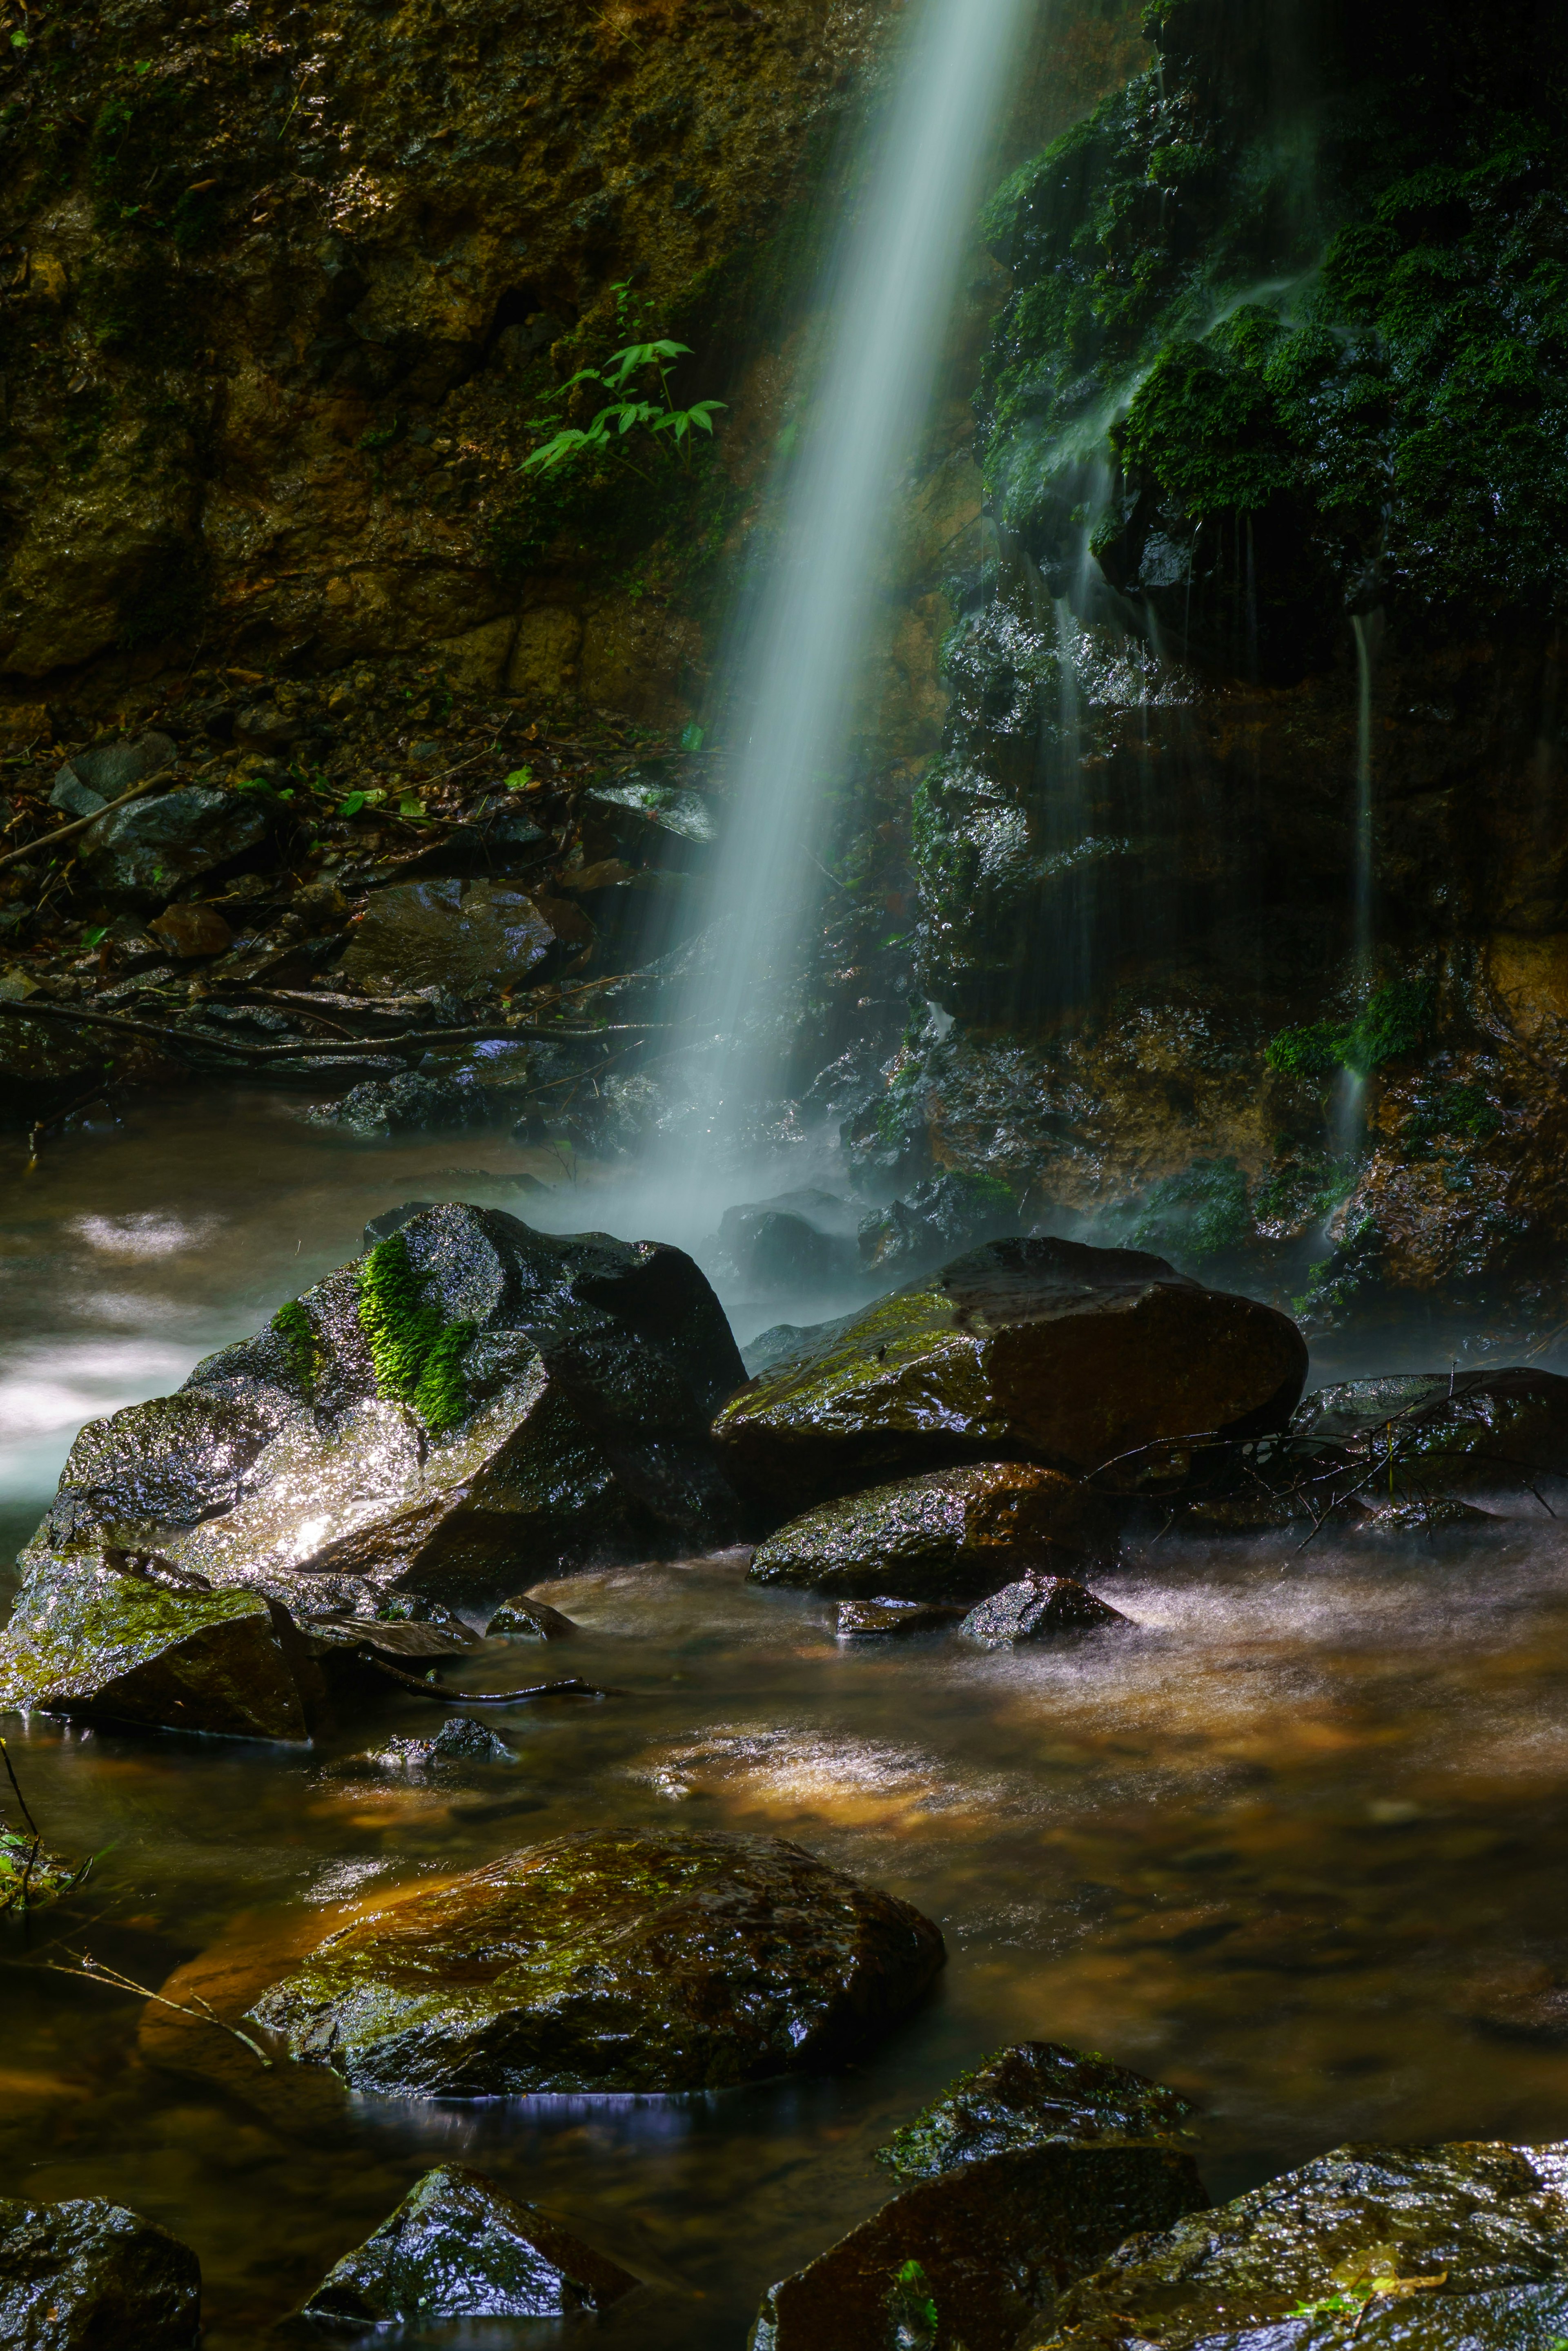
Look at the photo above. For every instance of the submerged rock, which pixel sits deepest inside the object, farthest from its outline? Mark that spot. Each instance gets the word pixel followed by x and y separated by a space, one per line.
pixel 609 1961
pixel 96 1643
pixel 452 934
pixel 1034 1609
pixel 1427 2246
pixel 460 1740
pixel 973 2256
pixel 951 1534
pixel 1074 1356
pixel 459 2247
pixel 87 2275
pixel 861 1620
pixel 521 1619
pixel 470 1404
pixel 1028 2096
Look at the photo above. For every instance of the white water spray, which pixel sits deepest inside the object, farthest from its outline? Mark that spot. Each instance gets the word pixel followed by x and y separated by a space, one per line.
pixel 889 302
pixel 1351 1107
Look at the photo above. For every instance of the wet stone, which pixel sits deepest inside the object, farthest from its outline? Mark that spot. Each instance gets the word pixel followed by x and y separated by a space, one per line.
pixel 452 933
pixel 193 930
pixel 609 1961
pixel 952 1534
pixel 521 1619
pixel 140 853
pixel 863 1620
pixel 1077 1357
pixel 1411 2247
pixel 460 1740
pixel 459 2247
pixel 1035 1609
pixel 411 1104
pixel 87 2275
pixel 1500 1435
pixel 776 1252
pixel 1029 2095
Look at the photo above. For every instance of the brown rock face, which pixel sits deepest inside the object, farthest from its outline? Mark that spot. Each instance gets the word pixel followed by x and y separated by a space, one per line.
pixel 452 935
pixel 193 930
pixel 1045 1349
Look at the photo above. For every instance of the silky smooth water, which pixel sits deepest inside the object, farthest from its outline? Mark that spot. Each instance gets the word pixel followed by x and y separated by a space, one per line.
pixel 1294 1838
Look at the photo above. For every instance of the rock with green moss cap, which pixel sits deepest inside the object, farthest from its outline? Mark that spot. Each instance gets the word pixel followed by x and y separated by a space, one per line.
pixel 468 1406
pixel 1029 2095
pixel 1084 1359
pixel 90 1639
pixel 88 2275
pixel 459 2247
pixel 609 1960
pixel 1417 2247
pixel 952 1535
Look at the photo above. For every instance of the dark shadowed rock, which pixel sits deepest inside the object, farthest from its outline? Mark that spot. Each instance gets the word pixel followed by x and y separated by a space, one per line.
pixel 1414 2247
pixel 1045 1349
pixel 87 2275
pixel 139 855
pixel 971 2257
pixel 101 1644
pixel 471 1403
pixel 102 775
pixel 521 1619
pixel 609 1961
pixel 411 1104
pixel 453 933
pixel 460 1740
pixel 1499 1435
pixel 866 1620
pixel 778 1248
pixel 948 1535
pixel 1028 2096
pixel 944 1214
pixel 459 2247
pixel 1036 1608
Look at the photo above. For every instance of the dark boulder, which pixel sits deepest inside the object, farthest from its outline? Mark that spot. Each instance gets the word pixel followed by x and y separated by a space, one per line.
pixel 87 2275
pixel 459 2247
pixel 452 933
pixel 609 1961
pixel 90 780
pixel 1036 2091
pixel 412 1103
pixel 470 1404
pixel 1423 2247
pixel 974 2255
pixel 948 1535
pixel 1036 1608
pixel 521 1619
pixel 141 854
pixel 98 1643
pixel 941 1216
pixel 1041 1350
pixel 1494 1437
pixel 799 1242
pixel 866 1620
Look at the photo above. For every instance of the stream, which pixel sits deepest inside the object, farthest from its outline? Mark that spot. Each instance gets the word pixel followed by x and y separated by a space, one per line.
pixel 1293 1839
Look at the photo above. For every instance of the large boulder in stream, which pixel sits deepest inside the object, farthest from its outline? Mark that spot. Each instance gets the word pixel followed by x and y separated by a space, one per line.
pixel 467 1409
pixel 1424 2248
pixel 1034 1349
pixel 952 1534
pixel 459 2247
pixel 608 1960
pixel 1027 2174
pixel 87 2275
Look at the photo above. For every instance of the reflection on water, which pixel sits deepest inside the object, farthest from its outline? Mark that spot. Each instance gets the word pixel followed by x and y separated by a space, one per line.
pixel 1295 1841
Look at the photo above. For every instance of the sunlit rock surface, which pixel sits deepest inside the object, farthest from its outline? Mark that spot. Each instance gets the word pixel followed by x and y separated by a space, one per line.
pixel 951 1534
pixel 1036 1608
pixel 459 2247
pixel 1427 2246
pixel 87 2275
pixel 1077 1357
pixel 607 1962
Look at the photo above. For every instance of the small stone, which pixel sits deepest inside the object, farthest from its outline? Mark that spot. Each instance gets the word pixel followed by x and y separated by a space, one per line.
pixel 1028 2096
pixel 460 1740
pixel 863 1619
pixel 193 930
pixel 521 1619
pixel 411 1105
pixel 459 2247
pixel 88 2275
pixel 72 797
pixel 113 768
pixel 1033 1610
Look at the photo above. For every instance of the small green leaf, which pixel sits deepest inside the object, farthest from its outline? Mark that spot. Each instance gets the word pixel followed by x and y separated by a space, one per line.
pixel 519 779
pixel 93 938
pixel 352 805
pixel 409 806
pixel 18 40
pixel 691 738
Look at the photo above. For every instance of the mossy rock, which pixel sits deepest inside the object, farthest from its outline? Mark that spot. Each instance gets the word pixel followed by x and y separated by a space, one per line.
pixel 459 2247
pixel 952 1534
pixel 1414 2247
pixel 609 1961
pixel 1081 1358
pixel 98 1643
pixel 1029 2095
pixel 974 2255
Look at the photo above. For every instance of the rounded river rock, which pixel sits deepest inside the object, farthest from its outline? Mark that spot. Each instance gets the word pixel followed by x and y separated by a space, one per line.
pixel 609 1960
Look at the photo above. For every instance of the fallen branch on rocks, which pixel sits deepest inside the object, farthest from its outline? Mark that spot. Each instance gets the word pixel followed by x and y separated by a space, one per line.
pixel 448 1696
pixel 326 1047
pixel 91 1971
pixel 80 824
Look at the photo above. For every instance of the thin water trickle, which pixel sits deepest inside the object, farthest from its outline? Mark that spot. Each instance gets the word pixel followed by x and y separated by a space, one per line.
pixel 1350 1099
pixel 889 302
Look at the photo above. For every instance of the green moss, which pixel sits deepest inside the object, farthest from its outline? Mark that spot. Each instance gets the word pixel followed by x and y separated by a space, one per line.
pixel 1199 1213
pixel 912 2318
pixel 1392 1023
pixel 417 1358
pixel 294 1328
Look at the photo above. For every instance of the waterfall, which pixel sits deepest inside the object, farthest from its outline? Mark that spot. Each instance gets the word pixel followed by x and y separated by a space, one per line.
pixel 888 300
pixel 1350 1109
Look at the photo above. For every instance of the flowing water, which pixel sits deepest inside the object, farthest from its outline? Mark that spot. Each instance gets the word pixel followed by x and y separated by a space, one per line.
pixel 890 298
pixel 1294 1838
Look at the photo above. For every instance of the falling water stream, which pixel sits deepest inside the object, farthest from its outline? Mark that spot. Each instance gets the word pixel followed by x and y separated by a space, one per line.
pixel 888 303
pixel 1350 1106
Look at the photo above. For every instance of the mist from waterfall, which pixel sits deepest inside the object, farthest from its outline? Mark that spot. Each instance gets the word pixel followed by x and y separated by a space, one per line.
pixel 1350 1106
pixel 888 300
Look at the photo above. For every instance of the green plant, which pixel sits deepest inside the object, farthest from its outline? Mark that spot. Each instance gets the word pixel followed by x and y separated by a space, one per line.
pixel 294 1328
pixel 627 414
pixel 912 2309
pixel 1393 1022
pixel 417 1358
